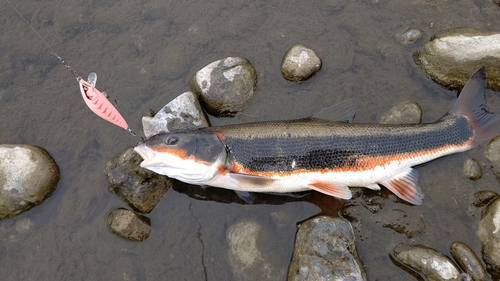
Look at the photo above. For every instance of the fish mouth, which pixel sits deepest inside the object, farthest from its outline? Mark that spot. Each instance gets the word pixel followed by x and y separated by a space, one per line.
pixel 148 156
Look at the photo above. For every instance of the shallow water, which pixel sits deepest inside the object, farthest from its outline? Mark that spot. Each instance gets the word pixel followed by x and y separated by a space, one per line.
pixel 145 53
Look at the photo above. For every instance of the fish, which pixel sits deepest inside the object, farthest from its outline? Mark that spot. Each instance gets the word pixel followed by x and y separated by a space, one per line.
pixel 325 152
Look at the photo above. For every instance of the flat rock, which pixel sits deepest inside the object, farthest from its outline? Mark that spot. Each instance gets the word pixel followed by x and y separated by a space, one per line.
pixel 183 112
pixel 325 249
pixel 244 256
pixel 452 55
pixel 300 63
pixel 28 176
pixel 141 189
pixel 225 86
pixel 129 225
pixel 426 261
pixel 489 234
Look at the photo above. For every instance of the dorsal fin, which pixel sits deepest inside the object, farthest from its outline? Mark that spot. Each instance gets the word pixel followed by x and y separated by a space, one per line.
pixel 343 111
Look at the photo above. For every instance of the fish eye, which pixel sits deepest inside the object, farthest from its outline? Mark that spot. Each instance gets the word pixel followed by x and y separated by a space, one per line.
pixel 172 140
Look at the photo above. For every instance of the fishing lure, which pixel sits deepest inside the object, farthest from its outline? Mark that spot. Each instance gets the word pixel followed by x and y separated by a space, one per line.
pixel 96 100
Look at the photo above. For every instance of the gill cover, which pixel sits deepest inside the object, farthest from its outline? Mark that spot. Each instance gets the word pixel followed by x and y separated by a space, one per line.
pixel 189 156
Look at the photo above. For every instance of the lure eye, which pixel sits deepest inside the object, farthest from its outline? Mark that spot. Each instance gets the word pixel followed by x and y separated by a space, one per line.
pixel 172 140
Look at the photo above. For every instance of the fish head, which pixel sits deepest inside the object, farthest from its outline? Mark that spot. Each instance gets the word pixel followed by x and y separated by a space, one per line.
pixel 189 156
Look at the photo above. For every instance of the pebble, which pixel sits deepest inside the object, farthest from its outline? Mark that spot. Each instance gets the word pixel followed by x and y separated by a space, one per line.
pixel 452 55
pixel 28 176
pixel 472 169
pixel 300 63
pixel 489 234
pixel 129 225
pixel 411 35
pixel 141 189
pixel 225 86
pixel 468 261
pixel 426 261
pixel 492 153
pixel 184 112
pixel 405 113
pixel 325 249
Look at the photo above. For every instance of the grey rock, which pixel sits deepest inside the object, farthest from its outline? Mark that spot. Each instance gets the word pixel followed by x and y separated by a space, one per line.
pixel 300 63
pixel 404 113
pixel 411 35
pixel 492 153
pixel 225 86
pixel 325 250
pixel 452 55
pixel 129 225
pixel 138 187
pixel 472 169
pixel 28 176
pixel 489 234
pixel 245 259
pixel 484 197
pixel 184 112
pixel 426 261
pixel 468 261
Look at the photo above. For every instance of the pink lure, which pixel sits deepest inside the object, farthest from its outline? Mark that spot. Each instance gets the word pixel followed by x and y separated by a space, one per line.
pixel 99 103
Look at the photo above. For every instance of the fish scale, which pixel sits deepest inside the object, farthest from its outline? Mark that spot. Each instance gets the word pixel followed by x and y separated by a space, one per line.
pixel 344 144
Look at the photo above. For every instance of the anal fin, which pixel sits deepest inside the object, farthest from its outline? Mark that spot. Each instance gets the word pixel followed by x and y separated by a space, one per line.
pixel 405 185
pixel 332 189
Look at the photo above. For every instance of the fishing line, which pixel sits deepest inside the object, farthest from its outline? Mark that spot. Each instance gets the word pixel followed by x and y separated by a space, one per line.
pixel 45 42
pixel 87 87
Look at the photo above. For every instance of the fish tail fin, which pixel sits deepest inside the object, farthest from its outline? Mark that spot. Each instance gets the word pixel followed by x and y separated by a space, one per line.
pixel 471 103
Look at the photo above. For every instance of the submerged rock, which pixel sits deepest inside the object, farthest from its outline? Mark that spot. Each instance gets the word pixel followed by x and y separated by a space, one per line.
pixel 28 176
pixel 300 63
pixel 452 55
pixel 484 197
pixel 492 153
pixel 472 169
pixel 405 113
pixel 244 257
pixel 468 261
pixel 183 112
pixel 411 35
pixel 225 86
pixel 140 188
pixel 325 250
pixel 489 234
pixel 426 261
pixel 129 225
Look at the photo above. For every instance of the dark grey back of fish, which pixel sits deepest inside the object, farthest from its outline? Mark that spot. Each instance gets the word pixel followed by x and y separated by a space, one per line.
pixel 319 144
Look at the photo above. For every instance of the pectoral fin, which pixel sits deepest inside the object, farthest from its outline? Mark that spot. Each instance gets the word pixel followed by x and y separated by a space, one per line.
pixel 405 186
pixel 332 189
pixel 246 179
pixel 246 196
